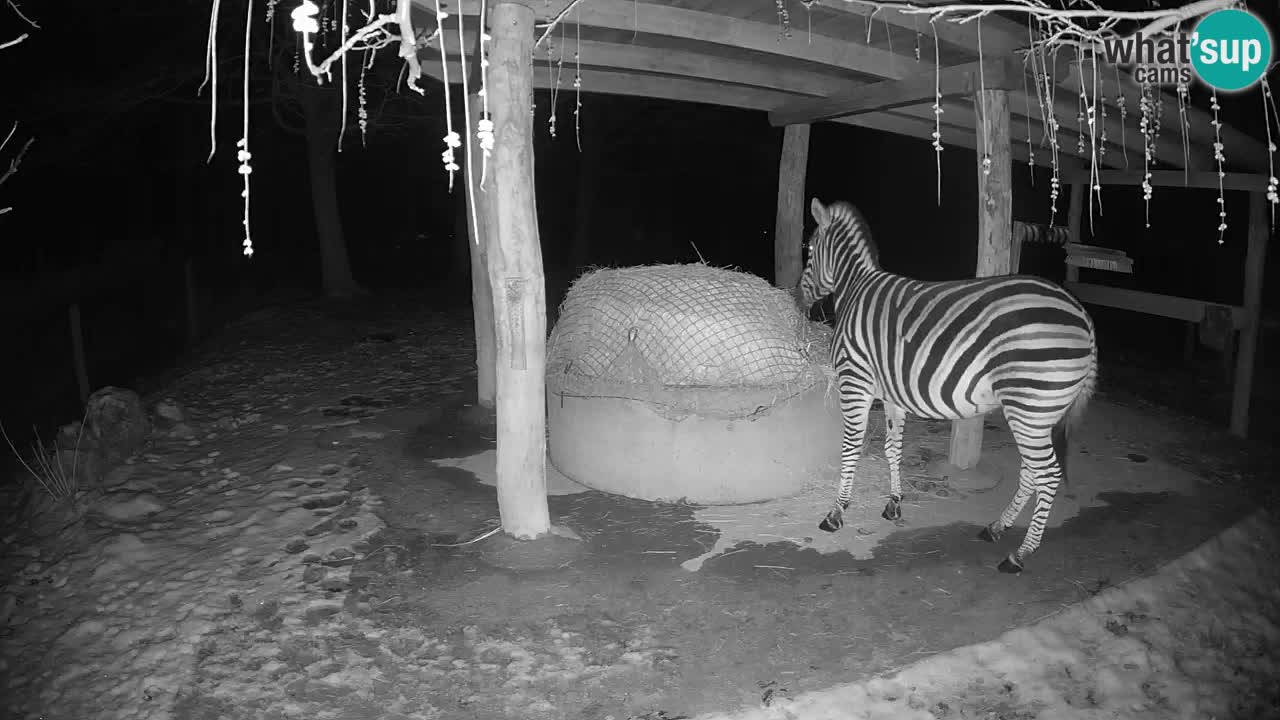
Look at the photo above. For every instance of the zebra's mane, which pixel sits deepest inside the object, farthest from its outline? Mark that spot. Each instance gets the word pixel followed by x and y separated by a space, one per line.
pixel 848 222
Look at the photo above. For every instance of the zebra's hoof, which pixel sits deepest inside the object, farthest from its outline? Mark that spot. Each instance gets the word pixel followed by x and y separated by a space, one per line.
pixel 1010 565
pixel 832 522
pixel 989 534
pixel 892 510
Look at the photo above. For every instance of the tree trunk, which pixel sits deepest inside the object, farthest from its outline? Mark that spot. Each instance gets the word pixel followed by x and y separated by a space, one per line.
pixel 995 231
pixel 516 276
pixel 478 237
pixel 322 115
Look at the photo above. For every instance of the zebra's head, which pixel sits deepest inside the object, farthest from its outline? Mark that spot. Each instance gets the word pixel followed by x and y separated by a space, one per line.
pixel 839 248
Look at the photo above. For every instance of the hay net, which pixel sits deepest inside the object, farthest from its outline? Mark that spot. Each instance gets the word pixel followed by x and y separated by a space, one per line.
pixel 662 332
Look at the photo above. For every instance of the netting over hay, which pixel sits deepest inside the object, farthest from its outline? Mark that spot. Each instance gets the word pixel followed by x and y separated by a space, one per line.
pixel 675 334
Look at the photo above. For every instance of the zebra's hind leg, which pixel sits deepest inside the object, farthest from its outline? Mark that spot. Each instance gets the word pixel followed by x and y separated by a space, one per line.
pixel 1026 486
pixel 855 408
pixel 1046 491
pixel 1040 474
pixel 894 417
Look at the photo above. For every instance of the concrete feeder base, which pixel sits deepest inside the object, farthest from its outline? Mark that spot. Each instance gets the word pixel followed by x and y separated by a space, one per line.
pixel 626 447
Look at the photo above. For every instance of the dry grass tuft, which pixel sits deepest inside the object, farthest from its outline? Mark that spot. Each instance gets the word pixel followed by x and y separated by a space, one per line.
pixel 49 468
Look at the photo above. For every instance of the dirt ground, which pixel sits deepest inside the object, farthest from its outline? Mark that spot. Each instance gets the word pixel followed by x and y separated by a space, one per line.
pixel 408 617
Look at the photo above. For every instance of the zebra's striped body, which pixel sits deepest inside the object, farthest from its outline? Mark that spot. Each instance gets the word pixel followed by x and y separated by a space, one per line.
pixel 946 351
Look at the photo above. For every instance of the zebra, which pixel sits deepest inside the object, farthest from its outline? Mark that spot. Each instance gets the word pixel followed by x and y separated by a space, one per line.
pixel 947 351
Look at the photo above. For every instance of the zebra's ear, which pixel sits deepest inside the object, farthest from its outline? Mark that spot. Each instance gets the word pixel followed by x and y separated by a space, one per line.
pixel 821 214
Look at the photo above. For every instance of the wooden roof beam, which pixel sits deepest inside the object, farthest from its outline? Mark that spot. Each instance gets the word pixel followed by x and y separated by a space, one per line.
pixel 996 73
pixel 694 26
pixel 959 119
pixel 1000 36
pixel 609 82
pixel 683 63
pixel 1251 182
pixel 1241 148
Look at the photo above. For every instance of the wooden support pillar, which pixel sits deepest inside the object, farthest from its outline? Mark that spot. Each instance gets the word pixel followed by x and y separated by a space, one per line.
pixel 995 234
pixel 788 229
pixel 516 278
pixel 479 235
pixel 1255 260
pixel 1075 214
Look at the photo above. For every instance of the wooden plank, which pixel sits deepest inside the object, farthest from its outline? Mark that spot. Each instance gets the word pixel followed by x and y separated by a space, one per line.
pixel 596 55
pixel 788 235
pixel 1075 216
pixel 995 234
pixel 1174 178
pixel 517 280
pixel 996 73
pixel 999 35
pixel 1254 264
pixel 1170 306
pixel 702 27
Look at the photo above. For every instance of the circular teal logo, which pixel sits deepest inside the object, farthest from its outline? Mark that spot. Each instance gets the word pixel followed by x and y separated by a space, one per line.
pixel 1231 49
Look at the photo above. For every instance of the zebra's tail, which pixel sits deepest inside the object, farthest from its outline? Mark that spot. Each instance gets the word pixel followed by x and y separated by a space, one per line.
pixel 1087 387
pixel 1061 431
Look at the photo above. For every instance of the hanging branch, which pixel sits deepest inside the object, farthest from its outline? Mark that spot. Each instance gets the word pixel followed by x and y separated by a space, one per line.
pixel 550 26
pixel 1220 159
pixel 1268 116
pixel 577 88
pixel 982 84
pixel 243 154
pixel 937 114
pixel 342 128
pixel 1063 20
pixel 484 126
pixel 15 162
pixel 1146 107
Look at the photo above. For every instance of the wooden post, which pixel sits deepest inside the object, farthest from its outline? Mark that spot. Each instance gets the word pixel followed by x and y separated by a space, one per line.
pixel 1075 214
pixel 479 235
pixel 77 351
pixel 193 312
pixel 516 276
pixel 995 234
pixel 1255 260
pixel 788 229
pixel 1020 236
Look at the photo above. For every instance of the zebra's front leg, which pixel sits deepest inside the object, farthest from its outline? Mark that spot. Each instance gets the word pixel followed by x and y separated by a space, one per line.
pixel 855 408
pixel 894 417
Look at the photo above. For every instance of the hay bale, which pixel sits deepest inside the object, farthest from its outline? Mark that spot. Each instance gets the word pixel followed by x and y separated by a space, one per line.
pixel 681 326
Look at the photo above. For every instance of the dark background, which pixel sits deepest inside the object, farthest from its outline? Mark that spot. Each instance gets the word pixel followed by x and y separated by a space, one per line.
pixel 118 172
